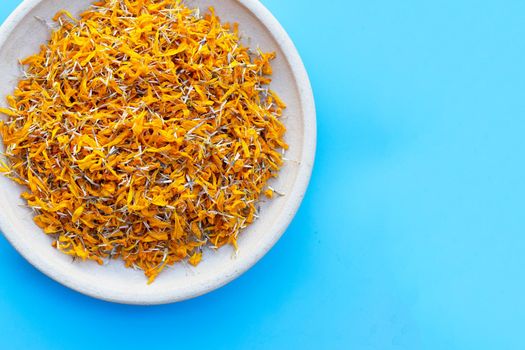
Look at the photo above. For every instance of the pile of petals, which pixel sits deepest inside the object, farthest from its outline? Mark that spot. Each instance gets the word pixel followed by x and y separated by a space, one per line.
pixel 143 131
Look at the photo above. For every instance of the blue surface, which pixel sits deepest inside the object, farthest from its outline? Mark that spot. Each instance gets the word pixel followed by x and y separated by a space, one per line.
pixel 412 232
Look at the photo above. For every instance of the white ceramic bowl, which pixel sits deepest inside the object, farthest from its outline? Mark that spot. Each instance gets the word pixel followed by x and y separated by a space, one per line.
pixel 23 33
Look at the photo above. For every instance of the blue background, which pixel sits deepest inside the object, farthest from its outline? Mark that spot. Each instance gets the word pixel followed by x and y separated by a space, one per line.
pixel 412 232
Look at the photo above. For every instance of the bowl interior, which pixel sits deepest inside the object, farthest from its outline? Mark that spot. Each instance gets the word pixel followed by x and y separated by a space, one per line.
pixel 22 35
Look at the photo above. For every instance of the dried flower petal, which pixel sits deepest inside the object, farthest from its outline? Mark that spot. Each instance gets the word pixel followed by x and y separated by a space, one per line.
pixel 143 131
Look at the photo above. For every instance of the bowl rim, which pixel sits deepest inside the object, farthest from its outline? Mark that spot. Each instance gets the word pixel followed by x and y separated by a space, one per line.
pixel 292 205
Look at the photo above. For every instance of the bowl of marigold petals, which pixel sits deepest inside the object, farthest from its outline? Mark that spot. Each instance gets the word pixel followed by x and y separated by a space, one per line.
pixel 151 151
